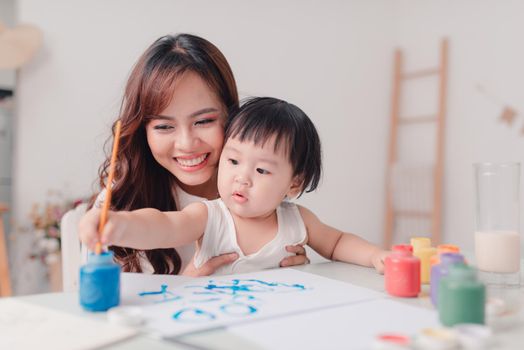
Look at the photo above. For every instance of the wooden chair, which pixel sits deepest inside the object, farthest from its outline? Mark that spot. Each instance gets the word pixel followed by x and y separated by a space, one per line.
pixel 73 254
pixel 5 280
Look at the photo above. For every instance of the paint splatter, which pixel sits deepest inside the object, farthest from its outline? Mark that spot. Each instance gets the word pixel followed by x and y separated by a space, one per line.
pixel 249 286
pixel 195 315
pixel 238 309
pixel 162 291
pixel 166 295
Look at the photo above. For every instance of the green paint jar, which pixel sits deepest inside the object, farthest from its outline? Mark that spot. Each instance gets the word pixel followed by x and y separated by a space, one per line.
pixel 461 297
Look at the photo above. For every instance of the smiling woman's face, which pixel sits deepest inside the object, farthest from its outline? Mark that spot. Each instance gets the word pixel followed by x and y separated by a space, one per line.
pixel 187 137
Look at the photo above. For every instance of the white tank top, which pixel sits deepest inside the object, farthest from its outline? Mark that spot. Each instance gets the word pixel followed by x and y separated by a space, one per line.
pixel 220 238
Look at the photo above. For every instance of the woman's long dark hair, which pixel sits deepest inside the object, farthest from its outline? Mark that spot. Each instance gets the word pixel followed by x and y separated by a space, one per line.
pixel 140 182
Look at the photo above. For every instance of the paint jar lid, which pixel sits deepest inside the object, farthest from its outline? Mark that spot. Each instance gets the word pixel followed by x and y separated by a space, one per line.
pixel 474 336
pixel 129 316
pixel 420 242
pixel 448 248
pixel 437 339
pixel 427 252
pixel 451 258
pixel 102 258
pixel 391 341
pixel 402 248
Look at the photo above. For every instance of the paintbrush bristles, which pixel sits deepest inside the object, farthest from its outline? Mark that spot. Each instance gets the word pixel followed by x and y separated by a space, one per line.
pixel 109 186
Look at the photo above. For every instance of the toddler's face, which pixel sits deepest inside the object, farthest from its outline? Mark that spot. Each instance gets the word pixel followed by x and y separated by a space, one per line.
pixel 253 180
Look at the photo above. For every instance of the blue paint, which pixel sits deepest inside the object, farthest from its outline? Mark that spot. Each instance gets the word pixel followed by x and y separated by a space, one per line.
pixel 244 296
pixel 276 284
pixel 209 300
pixel 166 295
pixel 238 309
pixel 100 282
pixel 162 291
pixel 252 285
pixel 222 298
pixel 193 315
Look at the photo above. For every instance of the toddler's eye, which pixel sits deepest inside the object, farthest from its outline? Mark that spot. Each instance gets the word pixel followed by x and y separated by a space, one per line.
pixel 262 171
pixel 233 161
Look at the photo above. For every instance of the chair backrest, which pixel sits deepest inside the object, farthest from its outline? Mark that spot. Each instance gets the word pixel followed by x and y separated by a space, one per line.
pixel 73 253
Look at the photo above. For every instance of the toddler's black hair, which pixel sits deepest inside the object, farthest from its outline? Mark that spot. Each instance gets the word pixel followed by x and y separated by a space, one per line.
pixel 260 118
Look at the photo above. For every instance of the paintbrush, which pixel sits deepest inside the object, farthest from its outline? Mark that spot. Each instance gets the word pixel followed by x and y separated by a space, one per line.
pixel 109 187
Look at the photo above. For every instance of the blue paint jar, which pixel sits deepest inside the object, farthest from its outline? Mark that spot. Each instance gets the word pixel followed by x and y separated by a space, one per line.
pixel 100 282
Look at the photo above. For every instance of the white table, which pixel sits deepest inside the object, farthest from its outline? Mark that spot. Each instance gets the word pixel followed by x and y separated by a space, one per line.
pixel 221 339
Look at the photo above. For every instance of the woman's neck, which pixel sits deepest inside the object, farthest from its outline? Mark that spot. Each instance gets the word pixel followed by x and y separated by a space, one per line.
pixel 206 190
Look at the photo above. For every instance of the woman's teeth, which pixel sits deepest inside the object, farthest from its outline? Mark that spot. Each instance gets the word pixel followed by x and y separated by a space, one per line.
pixel 193 161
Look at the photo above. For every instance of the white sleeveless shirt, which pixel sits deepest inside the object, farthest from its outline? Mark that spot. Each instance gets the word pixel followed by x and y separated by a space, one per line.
pixel 186 252
pixel 220 237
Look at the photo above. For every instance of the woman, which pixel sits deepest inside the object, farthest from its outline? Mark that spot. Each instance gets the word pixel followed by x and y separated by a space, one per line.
pixel 173 113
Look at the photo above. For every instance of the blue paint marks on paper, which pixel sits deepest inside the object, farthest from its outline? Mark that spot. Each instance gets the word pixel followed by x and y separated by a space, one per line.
pixel 238 309
pixel 220 298
pixel 164 293
pixel 193 315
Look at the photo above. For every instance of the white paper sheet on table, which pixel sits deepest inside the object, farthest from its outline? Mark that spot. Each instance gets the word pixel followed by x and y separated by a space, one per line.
pixel 183 306
pixel 353 326
pixel 28 326
pixel 133 284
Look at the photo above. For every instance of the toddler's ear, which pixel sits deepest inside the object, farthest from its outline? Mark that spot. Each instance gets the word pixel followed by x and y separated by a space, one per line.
pixel 296 187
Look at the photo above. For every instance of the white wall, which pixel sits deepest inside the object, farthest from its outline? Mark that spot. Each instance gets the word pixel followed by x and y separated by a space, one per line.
pixel 484 49
pixel 333 59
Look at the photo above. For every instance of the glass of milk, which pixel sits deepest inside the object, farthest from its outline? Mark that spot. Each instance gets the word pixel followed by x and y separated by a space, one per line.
pixel 497 237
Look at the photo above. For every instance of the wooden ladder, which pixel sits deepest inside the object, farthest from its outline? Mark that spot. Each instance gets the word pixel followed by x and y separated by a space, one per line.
pixel 400 76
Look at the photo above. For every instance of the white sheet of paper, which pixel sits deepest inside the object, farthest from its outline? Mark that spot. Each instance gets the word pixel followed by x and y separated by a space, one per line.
pixel 133 284
pixel 353 326
pixel 181 307
pixel 29 326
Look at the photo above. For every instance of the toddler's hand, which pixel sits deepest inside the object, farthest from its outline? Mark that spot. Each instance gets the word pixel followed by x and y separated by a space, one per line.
pixel 88 229
pixel 377 259
pixel 209 267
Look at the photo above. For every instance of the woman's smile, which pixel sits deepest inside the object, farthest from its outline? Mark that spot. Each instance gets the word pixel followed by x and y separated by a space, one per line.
pixel 192 163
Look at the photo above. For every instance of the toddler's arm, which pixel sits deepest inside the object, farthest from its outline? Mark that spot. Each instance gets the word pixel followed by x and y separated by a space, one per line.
pixel 145 228
pixel 334 244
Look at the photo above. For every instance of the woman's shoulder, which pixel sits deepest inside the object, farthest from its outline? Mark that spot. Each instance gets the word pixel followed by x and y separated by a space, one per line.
pixel 183 199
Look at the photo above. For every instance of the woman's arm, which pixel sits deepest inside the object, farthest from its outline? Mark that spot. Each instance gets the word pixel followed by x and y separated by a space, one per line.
pixel 145 228
pixel 336 245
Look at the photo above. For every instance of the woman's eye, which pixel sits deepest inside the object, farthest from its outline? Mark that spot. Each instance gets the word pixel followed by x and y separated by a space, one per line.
pixel 233 161
pixel 262 171
pixel 162 127
pixel 205 121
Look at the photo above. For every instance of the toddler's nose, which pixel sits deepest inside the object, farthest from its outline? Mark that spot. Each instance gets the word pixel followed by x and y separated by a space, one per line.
pixel 242 180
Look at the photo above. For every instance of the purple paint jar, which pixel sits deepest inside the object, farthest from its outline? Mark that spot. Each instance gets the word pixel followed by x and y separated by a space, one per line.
pixel 440 270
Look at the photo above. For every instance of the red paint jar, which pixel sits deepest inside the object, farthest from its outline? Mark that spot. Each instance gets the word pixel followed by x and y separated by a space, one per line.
pixel 402 272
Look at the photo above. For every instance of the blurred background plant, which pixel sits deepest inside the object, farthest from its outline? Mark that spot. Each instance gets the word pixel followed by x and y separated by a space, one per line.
pixel 45 219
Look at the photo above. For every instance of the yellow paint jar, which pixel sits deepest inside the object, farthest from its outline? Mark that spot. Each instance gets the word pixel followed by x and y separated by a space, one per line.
pixel 423 250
